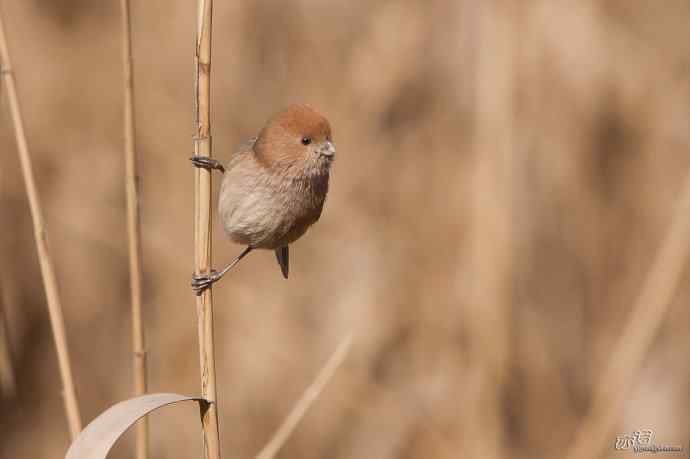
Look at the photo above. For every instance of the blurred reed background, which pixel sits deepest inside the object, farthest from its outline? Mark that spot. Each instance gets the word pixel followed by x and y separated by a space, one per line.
pixel 506 173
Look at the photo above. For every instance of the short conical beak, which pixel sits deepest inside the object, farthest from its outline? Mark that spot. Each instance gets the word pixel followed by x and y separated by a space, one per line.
pixel 328 149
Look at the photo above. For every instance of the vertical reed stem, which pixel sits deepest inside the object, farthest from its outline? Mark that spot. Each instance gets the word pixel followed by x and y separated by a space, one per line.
pixel 133 229
pixel 47 272
pixel 8 383
pixel 202 226
pixel 491 256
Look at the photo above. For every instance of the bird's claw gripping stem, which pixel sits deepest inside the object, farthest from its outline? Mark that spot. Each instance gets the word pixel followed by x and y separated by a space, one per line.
pixel 205 162
pixel 202 282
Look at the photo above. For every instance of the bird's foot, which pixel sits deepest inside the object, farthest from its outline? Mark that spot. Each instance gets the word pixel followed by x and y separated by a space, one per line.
pixel 205 162
pixel 201 283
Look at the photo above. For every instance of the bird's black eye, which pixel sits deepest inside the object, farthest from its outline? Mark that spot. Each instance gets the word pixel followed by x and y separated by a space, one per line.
pixel 306 140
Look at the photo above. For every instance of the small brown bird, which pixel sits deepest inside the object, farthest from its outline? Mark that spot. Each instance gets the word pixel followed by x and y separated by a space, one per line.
pixel 274 186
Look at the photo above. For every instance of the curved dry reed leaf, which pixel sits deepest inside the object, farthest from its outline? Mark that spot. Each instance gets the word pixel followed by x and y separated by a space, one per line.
pixel 95 441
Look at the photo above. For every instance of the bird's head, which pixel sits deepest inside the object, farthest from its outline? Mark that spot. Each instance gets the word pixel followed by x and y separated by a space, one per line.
pixel 299 136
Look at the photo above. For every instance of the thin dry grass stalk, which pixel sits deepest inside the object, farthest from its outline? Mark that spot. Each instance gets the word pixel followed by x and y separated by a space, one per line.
pixel 133 228
pixel 8 385
pixel 202 226
pixel 310 395
pixel 492 246
pixel 47 272
pixel 645 321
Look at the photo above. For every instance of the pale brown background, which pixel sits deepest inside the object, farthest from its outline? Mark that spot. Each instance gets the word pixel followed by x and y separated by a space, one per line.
pixel 505 174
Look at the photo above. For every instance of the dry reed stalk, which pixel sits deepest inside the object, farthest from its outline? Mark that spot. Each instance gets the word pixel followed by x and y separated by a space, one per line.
pixel 202 226
pixel 310 395
pixel 8 385
pixel 47 271
pixel 646 319
pixel 493 185
pixel 133 228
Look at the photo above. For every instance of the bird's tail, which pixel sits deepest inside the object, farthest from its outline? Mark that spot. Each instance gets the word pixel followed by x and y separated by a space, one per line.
pixel 283 257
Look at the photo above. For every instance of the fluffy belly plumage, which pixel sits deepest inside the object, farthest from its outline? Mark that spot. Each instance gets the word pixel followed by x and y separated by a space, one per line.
pixel 264 217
